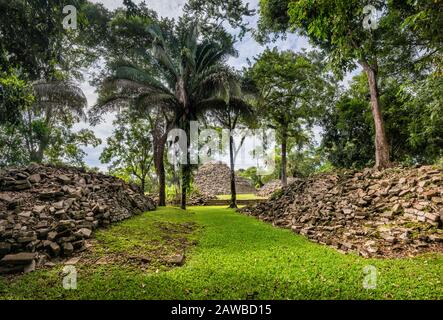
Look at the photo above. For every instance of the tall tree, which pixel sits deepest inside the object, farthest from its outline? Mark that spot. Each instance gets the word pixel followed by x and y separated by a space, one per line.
pixel 119 94
pixel 160 125
pixel 349 42
pixel 196 79
pixel 56 103
pixel 230 116
pixel 49 57
pixel 39 120
pixel 412 114
pixel 189 79
pixel 128 29
pixel 291 90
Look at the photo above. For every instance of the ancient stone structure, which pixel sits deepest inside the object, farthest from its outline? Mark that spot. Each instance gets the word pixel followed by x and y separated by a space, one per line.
pixel 47 212
pixel 272 186
pixel 213 178
pixel 396 212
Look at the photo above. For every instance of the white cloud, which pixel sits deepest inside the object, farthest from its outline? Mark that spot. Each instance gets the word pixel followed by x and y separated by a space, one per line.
pixel 248 48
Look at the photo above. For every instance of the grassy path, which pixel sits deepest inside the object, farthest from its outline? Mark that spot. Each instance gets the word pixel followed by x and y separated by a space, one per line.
pixel 236 257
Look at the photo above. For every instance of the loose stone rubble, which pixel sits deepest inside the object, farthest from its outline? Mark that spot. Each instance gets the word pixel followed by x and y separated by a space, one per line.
pixel 392 213
pixel 272 186
pixel 213 178
pixel 47 212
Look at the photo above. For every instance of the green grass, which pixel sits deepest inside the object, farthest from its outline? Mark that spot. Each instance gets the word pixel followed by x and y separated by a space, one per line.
pixel 237 257
pixel 156 236
pixel 246 196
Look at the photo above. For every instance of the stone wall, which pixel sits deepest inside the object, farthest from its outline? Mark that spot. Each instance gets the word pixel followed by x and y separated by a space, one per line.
pixel 47 212
pixel 396 212
pixel 272 186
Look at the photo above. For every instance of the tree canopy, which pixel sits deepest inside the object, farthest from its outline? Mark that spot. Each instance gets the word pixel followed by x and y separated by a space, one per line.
pixel 158 74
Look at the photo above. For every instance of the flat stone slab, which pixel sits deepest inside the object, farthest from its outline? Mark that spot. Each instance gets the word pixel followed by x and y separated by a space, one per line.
pixel 6 198
pixel 22 258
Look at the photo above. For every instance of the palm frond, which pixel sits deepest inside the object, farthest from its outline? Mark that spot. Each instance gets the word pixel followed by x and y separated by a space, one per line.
pixel 206 105
pixel 104 105
pixel 211 54
pixel 61 97
pixel 149 100
pixel 159 51
pixel 139 77
pixel 167 75
pixel 217 81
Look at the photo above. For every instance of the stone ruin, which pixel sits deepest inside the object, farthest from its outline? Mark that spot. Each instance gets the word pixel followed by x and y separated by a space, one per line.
pixel 48 212
pixel 397 212
pixel 213 178
pixel 272 186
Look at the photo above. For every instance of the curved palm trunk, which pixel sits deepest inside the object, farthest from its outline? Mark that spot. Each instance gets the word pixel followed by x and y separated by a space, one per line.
pixel 233 203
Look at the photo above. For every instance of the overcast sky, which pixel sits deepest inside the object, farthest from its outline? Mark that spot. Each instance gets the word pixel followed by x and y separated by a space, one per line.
pixel 248 48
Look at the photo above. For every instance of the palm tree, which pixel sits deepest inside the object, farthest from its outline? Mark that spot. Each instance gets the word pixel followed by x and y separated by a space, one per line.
pixel 119 92
pixel 54 101
pixel 186 77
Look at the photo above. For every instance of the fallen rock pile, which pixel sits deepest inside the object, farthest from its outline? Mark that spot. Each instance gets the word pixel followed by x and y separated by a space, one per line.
pixel 396 212
pixel 47 212
pixel 272 186
pixel 213 178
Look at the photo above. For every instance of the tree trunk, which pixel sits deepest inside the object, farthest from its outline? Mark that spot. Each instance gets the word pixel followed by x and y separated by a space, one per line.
pixel 184 124
pixel 44 140
pixel 159 152
pixel 382 149
pixel 143 185
pixel 33 157
pixel 38 155
pixel 184 186
pixel 186 168
pixel 162 185
pixel 186 178
pixel 284 160
pixel 233 203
